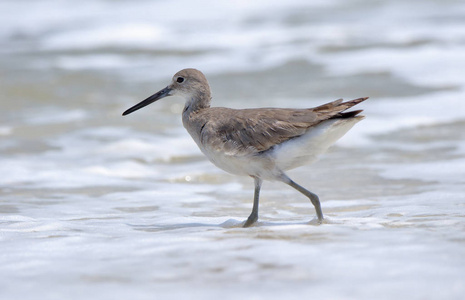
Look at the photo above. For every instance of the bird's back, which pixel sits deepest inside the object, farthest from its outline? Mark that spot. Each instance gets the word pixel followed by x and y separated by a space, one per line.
pixel 244 132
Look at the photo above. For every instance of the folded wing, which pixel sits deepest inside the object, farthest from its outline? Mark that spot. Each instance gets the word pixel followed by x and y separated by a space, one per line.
pixel 251 131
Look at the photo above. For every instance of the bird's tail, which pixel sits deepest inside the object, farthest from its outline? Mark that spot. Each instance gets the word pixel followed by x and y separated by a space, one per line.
pixel 335 109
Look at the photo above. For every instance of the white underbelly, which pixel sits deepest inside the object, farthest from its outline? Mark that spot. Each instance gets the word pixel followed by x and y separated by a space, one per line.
pixel 246 165
pixel 291 154
pixel 305 149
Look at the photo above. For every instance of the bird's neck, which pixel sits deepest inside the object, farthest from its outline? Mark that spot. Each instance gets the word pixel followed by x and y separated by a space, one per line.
pixel 190 115
pixel 194 103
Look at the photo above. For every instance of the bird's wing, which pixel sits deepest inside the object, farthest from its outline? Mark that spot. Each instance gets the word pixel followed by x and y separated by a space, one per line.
pixel 250 131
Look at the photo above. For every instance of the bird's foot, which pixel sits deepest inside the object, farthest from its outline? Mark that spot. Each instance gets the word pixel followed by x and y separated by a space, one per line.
pixel 250 221
pixel 317 221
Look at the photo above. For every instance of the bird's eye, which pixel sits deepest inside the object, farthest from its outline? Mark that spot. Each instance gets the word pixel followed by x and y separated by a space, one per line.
pixel 180 80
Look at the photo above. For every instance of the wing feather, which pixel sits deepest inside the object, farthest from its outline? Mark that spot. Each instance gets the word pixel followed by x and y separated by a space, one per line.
pixel 250 131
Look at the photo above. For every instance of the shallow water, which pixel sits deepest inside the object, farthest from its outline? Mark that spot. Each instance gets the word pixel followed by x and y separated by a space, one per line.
pixel 94 205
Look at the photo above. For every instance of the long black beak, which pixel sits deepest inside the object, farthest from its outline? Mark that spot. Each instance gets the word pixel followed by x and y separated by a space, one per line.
pixel 158 95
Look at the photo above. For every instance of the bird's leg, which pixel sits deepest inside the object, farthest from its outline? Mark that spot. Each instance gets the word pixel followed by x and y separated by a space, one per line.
pixel 254 215
pixel 313 197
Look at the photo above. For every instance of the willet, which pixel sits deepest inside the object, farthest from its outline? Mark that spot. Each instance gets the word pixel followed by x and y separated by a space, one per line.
pixel 261 143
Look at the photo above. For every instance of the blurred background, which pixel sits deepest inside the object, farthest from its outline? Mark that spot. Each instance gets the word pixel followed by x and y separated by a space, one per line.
pixel 96 205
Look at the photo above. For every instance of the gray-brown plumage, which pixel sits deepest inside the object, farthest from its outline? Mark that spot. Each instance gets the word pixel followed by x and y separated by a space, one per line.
pixel 262 142
pixel 248 131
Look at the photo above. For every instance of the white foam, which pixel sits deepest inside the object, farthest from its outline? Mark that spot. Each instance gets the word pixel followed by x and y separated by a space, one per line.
pixel 155 148
pixel 105 211
pixel 436 65
pixel 393 114
pixel 123 170
pixel 5 130
pixel 444 171
pixel 83 62
pixel 126 35
pixel 52 115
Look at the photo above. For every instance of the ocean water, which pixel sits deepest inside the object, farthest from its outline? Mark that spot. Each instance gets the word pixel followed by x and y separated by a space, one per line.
pixel 97 206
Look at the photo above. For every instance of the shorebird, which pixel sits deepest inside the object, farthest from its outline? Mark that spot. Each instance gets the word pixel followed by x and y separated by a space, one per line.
pixel 261 143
